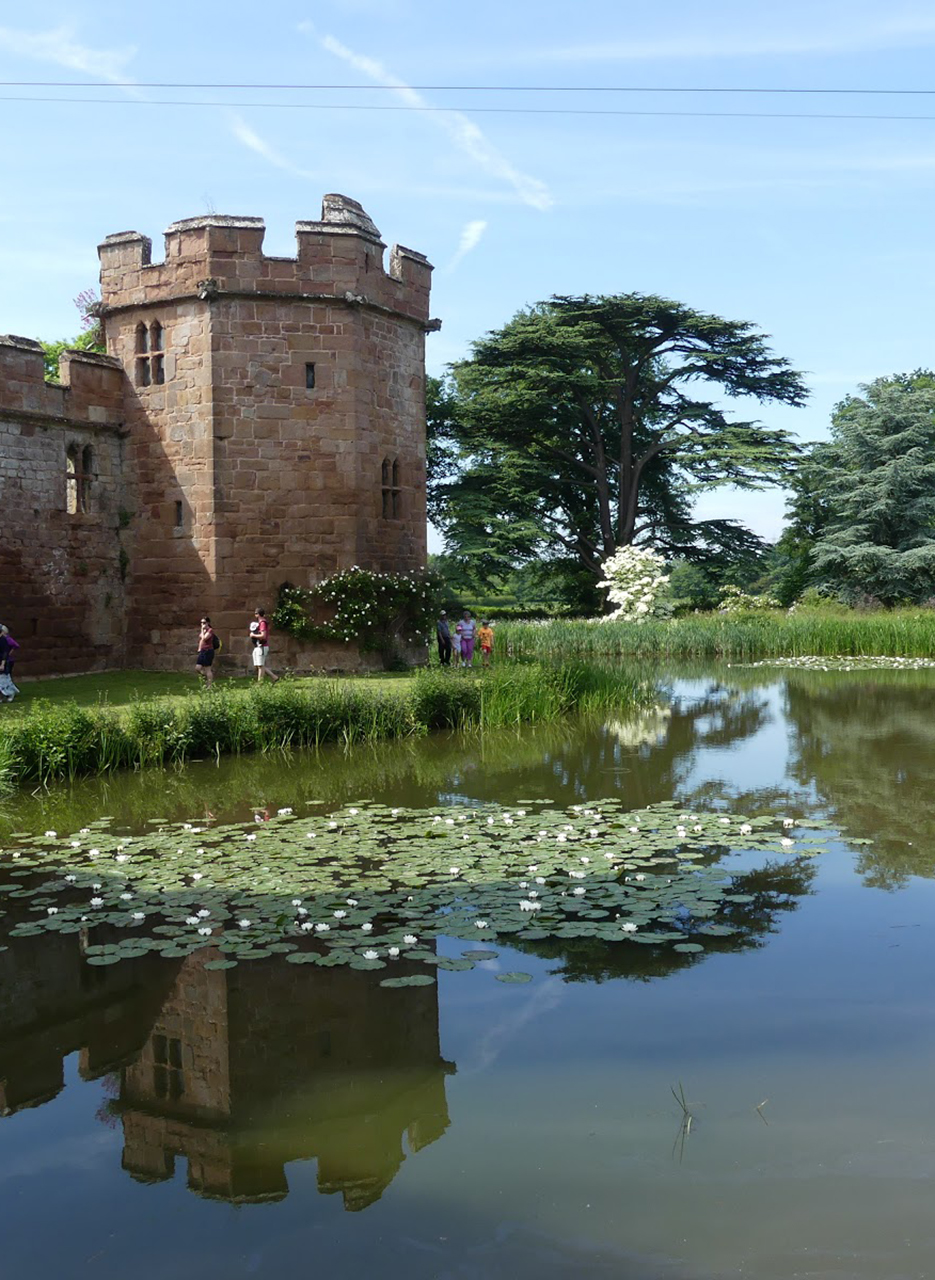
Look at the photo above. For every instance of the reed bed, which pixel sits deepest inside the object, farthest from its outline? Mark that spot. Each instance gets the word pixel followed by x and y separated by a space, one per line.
pixel 908 633
pixel 62 740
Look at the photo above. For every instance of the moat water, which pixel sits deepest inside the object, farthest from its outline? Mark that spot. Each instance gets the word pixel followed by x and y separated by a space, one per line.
pixel 763 1110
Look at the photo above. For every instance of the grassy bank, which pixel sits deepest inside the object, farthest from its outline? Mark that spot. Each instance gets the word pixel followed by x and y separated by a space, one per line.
pixel 53 740
pixel 905 633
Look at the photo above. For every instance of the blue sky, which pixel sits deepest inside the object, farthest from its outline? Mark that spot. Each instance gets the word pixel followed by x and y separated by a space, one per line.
pixel 818 231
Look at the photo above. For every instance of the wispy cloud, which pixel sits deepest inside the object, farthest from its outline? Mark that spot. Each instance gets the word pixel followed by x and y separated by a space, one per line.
pixel 841 39
pixel 470 239
pixel 462 132
pixel 253 142
pixel 62 47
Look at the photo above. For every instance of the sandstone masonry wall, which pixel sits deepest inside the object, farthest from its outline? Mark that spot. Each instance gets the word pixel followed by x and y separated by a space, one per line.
pixel 62 591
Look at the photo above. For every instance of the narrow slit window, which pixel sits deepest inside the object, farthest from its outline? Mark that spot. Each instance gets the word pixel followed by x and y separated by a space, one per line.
pixel 389 476
pixel 310 377
pixel 179 515
pixel 85 478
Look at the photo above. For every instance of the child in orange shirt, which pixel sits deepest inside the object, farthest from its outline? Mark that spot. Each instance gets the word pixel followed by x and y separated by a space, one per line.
pixel 485 640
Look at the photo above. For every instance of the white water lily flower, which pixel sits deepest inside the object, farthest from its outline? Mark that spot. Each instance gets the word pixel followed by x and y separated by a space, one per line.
pixel 353 812
pixel 520 813
pixel 250 836
pixel 394 812
pixel 410 939
pixel 138 915
pixel 52 911
pixel 725 822
pixel 681 832
pixel 76 844
pixel 786 842
pixel 526 904
pixel 257 817
pixel 480 924
pixel 198 875
pixel 95 886
pixel 94 853
pixel 284 812
pixel 490 822
pixel 585 859
pixel 629 928
pixel 51 835
pixel 322 928
pixel 332 826
pixel 69 878
pixel 203 913
pixel 301 911
pixel 639 877
pixel 697 830
pixel 371 954
pixel 306 926
pixel 126 897
pixel 97 902
pixel 193 919
pixel 297 902
pixel 366 928
pixel 788 822
pixel 540 879
pixel 633 830
pixel 339 915
pixel 454 871
pixel 352 902
pixel 244 924
pixel 449 822
pixel 310 835
pixel 533 866
pixel 576 875
pixel 561 837
pixel 578 892
pixel 393 952
pixel 205 931
pixel 745 829
pixel 121 857
pixel 85 831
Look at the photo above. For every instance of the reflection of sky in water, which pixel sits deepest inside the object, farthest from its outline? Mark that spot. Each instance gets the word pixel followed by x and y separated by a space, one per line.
pixel 562 1160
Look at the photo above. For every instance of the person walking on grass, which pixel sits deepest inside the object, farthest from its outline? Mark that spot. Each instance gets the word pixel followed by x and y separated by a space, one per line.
pixel 485 640
pixel 468 628
pixel 205 655
pixel 443 636
pixel 260 639
pixel 8 648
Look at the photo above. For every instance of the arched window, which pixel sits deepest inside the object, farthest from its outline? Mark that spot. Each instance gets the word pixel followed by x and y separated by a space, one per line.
pixel 390 489
pixel 150 355
pixel 79 473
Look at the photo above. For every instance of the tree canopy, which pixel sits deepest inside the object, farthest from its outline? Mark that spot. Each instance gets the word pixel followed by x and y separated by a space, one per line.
pixel 874 494
pixel 587 423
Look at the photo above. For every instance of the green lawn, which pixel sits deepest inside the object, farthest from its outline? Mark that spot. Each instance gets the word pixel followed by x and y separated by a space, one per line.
pixel 120 688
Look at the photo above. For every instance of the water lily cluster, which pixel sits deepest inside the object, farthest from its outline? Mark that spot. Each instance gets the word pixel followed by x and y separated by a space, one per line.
pixel 636 581
pixel 374 887
pixel 368 607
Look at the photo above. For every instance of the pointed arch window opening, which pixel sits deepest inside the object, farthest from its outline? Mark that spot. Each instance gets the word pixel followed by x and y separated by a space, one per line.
pixel 79 476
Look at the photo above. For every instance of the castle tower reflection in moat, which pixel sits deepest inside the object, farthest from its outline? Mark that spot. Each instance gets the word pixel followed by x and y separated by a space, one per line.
pixel 250 1068
pixel 238 1071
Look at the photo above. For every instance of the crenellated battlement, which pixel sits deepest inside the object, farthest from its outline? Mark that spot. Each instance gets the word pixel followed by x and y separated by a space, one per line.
pixel 90 388
pixel 339 257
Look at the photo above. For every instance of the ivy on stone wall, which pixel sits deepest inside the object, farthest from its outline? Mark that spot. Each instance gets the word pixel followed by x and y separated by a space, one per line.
pixel 377 610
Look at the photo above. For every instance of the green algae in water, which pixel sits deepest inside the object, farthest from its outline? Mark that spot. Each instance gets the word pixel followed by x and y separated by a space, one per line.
pixel 370 885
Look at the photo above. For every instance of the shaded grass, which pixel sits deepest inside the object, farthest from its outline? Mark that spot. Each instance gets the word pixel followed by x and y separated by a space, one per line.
pixel 906 633
pixel 53 740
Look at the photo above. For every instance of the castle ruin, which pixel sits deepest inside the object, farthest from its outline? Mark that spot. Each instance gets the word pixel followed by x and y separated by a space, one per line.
pixel 255 420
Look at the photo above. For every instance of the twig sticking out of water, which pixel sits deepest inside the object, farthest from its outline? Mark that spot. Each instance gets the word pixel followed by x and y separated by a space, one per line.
pixel 685 1127
pixel 759 1111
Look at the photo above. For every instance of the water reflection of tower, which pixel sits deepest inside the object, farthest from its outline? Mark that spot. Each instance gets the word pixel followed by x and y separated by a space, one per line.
pixel 250 1068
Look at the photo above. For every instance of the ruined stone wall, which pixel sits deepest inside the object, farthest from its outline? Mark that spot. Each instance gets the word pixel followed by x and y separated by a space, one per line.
pixel 62 589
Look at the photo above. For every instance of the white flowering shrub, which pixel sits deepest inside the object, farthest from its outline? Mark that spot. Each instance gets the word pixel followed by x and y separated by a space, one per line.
pixel 636 583
pixel 733 600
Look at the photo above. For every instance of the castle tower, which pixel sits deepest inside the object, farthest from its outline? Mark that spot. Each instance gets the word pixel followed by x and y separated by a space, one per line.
pixel 275 415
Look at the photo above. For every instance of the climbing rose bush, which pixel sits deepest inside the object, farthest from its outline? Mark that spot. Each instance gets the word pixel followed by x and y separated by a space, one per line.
pixel 636 583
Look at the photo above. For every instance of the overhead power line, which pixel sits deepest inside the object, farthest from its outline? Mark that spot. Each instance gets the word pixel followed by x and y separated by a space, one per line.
pixel 529 111
pixel 458 88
